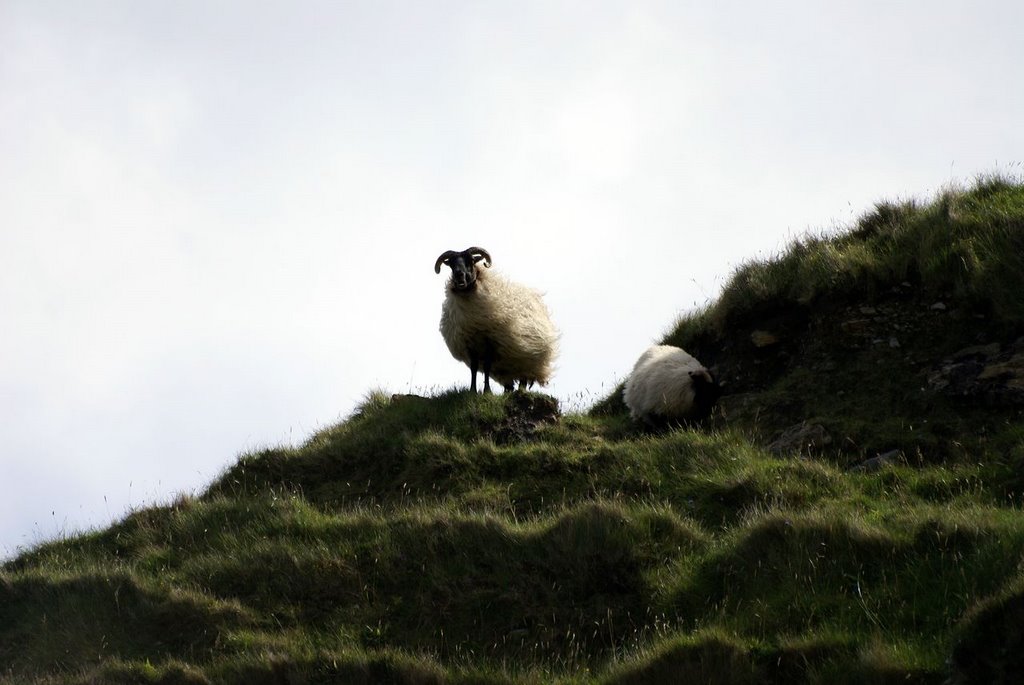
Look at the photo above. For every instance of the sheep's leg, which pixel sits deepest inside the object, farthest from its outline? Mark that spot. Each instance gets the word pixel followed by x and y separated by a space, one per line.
pixel 487 374
pixel 474 363
pixel 488 361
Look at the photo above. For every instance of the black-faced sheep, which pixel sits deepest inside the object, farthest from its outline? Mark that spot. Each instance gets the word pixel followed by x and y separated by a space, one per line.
pixel 494 325
pixel 667 384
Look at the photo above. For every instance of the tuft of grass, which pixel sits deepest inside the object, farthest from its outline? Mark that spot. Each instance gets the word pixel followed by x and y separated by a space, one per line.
pixel 966 244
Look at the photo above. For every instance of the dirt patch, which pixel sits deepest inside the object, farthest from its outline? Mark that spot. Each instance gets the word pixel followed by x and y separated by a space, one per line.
pixel 525 413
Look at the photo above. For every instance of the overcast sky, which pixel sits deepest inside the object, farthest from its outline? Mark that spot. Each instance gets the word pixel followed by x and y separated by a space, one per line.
pixel 219 219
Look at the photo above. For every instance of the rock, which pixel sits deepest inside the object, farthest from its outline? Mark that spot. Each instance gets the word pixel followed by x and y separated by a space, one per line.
pixel 938 307
pixel 877 463
pixel 868 311
pixel 763 338
pixel 802 437
pixel 525 413
pixel 938 380
pixel 985 351
pixel 982 374
pixel 1011 371
pixel 856 326
pixel 893 342
pixel 399 397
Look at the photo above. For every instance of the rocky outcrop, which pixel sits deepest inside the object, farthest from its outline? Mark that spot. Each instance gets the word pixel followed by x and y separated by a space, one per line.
pixel 989 374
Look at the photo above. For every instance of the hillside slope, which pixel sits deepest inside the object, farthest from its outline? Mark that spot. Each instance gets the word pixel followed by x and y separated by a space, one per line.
pixel 850 514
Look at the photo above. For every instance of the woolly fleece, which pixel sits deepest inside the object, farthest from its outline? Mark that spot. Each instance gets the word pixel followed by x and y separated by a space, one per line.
pixel 660 384
pixel 509 316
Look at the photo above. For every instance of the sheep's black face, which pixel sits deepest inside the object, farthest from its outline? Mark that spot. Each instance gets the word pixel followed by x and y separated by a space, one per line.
pixel 706 392
pixel 463 273
pixel 463 266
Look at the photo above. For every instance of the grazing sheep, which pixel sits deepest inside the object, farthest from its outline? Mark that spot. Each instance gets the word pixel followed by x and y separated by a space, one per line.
pixel 495 325
pixel 667 384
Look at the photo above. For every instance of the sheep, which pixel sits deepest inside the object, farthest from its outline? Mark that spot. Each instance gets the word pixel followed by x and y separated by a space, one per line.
pixel 495 325
pixel 669 385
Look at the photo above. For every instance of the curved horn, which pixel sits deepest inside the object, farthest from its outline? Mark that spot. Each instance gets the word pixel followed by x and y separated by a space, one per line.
pixel 474 251
pixel 440 260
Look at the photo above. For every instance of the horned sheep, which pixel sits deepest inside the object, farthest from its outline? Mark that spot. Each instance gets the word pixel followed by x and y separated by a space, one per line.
pixel 495 325
pixel 668 384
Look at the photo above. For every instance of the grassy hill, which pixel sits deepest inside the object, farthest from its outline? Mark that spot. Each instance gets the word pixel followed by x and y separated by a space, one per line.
pixel 851 514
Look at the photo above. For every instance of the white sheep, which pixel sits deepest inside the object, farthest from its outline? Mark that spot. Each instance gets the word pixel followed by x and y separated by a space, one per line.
pixel 495 325
pixel 667 384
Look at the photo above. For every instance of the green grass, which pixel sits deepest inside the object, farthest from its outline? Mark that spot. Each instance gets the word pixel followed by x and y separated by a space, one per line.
pixel 484 539
pixel 968 245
